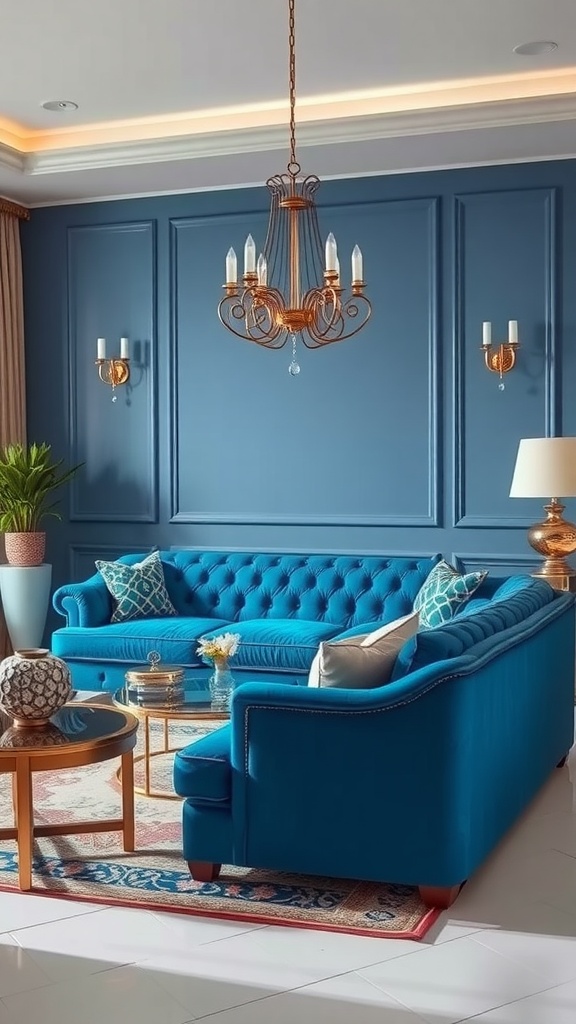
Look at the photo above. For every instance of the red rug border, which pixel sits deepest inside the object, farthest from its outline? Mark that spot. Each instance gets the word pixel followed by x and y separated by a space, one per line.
pixel 429 918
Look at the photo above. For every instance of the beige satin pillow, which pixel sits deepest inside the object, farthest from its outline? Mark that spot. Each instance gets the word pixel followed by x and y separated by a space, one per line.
pixel 362 662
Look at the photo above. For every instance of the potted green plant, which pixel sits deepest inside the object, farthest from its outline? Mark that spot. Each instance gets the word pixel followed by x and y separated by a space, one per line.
pixel 29 475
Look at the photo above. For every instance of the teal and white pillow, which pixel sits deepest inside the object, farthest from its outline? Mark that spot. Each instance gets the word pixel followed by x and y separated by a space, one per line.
pixel 139 590
pixel 443 593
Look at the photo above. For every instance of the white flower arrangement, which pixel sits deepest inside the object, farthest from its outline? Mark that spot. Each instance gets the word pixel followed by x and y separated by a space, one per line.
pixel 219 648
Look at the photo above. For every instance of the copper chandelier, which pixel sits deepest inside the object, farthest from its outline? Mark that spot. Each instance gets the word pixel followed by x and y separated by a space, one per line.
pixel 291 289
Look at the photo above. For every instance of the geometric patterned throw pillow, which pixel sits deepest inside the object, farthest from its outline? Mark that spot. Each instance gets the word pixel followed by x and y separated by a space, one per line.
pixel 443 593
pixel 139 590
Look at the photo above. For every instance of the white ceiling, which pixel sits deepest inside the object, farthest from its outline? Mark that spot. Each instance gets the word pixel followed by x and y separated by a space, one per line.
pixel 182 94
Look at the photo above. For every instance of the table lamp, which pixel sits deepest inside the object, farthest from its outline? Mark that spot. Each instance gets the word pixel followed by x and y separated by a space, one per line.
pixel 546 468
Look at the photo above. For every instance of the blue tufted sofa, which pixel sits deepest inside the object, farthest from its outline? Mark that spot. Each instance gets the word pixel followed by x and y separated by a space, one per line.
pixel 283 606
pixel 414 782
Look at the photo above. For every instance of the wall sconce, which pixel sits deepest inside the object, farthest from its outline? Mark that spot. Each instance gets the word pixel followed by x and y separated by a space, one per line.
pixel 113 371
pixel 500 358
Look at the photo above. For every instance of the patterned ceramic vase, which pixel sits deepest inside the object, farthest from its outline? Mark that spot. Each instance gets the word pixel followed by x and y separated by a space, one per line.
pixel 34 684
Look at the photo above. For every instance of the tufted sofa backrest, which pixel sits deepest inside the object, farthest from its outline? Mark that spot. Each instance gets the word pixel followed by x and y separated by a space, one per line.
pixel 341 589
pixel 512 602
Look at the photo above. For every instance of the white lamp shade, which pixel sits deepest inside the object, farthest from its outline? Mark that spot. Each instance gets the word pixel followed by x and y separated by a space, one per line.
pixel 545 468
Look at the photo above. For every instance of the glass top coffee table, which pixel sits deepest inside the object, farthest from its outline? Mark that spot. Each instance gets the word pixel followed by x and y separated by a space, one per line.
pixel 192 703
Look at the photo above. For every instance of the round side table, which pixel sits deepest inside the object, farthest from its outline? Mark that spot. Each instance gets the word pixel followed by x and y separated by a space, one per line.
pixel 78 734
pixel 192 705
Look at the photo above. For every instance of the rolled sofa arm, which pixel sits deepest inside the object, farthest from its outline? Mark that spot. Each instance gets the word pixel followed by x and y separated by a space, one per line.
pixel 84 604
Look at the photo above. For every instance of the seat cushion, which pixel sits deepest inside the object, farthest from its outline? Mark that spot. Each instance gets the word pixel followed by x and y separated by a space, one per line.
pixel 202 770
pixel 174 638
pixel 279 643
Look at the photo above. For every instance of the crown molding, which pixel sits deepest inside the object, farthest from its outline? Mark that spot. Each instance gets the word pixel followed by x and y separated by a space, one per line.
pixel 494 114
pixel 11 159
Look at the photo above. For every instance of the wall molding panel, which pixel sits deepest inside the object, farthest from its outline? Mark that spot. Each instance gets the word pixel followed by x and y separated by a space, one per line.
pixel 428 481
pixel 511 563
pixel 79 553
pixel 112 293
pixel 538 356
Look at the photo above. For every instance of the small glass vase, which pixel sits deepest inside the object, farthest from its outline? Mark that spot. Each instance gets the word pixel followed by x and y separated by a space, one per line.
pixel 221 685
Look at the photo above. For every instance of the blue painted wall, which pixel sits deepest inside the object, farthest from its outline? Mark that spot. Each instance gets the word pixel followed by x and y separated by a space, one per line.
pixel 397 440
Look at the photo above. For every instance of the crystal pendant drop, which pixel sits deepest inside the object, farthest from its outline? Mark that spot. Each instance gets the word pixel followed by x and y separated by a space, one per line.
pixel 294 368
pixel 501 386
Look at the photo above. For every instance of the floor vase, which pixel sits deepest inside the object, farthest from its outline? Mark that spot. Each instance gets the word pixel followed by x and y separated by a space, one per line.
pixel 25 592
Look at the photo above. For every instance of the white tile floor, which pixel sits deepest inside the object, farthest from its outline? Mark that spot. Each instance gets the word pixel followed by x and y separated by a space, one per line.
pixel 504 954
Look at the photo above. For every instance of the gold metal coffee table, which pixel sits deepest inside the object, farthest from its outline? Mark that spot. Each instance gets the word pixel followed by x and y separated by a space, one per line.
pixel 193 704
pixel 78 734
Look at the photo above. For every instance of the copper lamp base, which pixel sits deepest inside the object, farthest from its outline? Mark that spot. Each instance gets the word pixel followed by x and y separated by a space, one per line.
pixel 555 538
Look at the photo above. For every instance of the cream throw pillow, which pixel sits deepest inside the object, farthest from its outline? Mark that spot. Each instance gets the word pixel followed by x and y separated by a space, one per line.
pixel 362 662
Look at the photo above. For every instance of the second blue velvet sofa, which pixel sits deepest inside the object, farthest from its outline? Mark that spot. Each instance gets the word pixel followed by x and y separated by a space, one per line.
pixel 413 782
pixel 282 604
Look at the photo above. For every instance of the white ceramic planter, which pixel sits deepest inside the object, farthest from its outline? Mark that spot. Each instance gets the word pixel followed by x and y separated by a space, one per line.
pixel 25 592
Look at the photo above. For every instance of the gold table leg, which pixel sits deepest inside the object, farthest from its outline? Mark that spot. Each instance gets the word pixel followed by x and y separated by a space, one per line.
pixel 146 756
pixel 25 822
pixel 128 800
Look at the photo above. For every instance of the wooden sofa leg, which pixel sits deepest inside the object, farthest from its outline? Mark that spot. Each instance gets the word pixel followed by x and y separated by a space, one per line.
pixel 204 870
pixel 562 762
pixel 439 896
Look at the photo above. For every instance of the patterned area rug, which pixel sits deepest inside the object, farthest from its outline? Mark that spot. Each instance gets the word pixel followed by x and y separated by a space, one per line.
pixel 94 867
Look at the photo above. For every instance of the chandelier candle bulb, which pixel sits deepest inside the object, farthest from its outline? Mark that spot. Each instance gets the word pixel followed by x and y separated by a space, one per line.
pixel 231 267
pixel 124 348
pixel 357 264
pixel 262 271
pixel 249 256
pixel 101 348
pixel 512 332
pixel 486 333
pixel 331 253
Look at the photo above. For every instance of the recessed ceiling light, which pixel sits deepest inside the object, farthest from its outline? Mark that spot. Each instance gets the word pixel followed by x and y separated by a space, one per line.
pixel 60 105
pixel 535 49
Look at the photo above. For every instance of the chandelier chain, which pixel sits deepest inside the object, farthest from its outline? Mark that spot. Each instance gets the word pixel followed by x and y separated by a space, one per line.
pixel 293 166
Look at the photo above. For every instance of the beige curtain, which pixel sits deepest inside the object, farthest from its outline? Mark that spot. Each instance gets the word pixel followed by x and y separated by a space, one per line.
pixel 12 371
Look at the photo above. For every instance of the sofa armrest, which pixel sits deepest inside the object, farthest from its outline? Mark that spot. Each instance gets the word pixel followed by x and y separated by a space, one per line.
pixel 84 604
pixel 274 699
pixel 328 766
